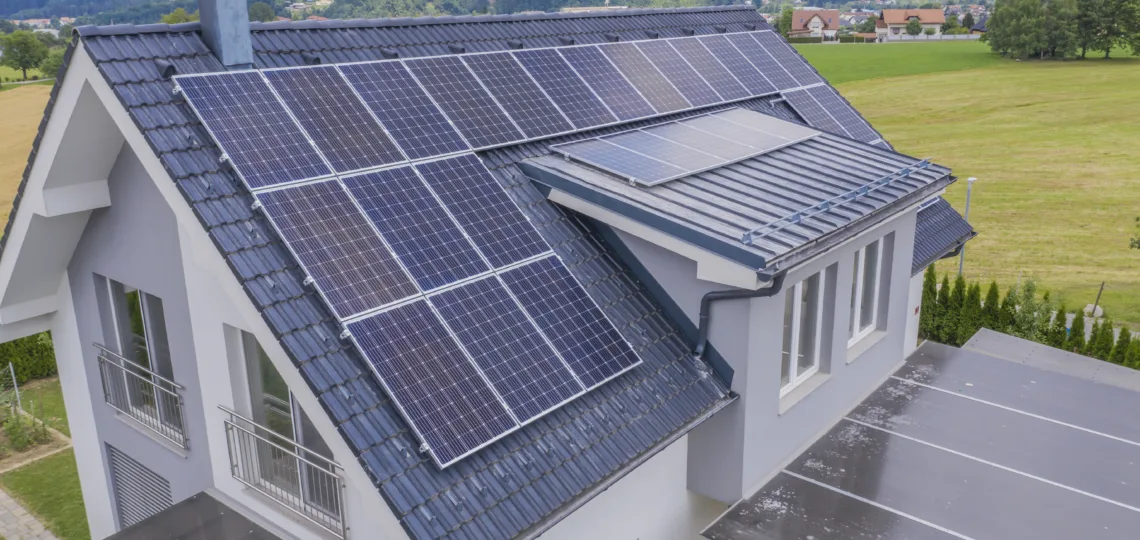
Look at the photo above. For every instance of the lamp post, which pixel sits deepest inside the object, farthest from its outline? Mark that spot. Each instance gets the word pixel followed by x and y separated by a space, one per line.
pixel 962 254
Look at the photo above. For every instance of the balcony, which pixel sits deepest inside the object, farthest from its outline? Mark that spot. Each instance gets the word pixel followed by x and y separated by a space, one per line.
pixel 148 398
pixel 295 477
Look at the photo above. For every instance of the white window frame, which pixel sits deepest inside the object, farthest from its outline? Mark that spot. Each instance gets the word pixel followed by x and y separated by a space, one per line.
pixel 856 330
pixel 796 378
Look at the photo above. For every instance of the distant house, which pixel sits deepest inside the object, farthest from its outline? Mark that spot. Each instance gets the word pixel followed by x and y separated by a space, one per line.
pixel 980 26
pixel 818 23
pixel 892 22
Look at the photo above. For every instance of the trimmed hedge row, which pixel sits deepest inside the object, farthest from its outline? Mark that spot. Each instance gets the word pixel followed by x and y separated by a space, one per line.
pixel 32 357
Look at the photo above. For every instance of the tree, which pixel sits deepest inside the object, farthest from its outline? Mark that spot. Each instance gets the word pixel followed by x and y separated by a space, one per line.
pixel 260 11
pixel 991 310
pixel 950 24
pixel 927 317
pixel 52 62
pixel 784 25
pixel 971 318
pixel 1060 28
pixel 1104 342
pixel 930 5
pixel 913 28
pixel 1093 344
pixel 22 51
pixel 968 21
pixel 1133 357
pixel 1016 28
pixel 942 322
pixel 1007 311
pixel 179 16
pixel 928 31
pixel 1120 351
pixel 1057 334
pixel 1076 341
pixel 867 26
pixel 6 26
pixel 953 315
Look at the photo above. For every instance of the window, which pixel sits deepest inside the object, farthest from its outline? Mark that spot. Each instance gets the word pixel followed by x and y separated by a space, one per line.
pixel 865 279
pixel 803 329
pixel 138 328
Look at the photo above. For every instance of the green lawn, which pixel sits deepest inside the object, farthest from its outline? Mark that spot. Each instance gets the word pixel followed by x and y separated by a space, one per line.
pixel 9 74
pixel 46 392
pixel 49 488
pixel 1053 144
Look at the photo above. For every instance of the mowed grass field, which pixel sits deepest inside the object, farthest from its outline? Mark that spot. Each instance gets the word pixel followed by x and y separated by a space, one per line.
pixel 1055 147
pixel 9 74
pixel 21 109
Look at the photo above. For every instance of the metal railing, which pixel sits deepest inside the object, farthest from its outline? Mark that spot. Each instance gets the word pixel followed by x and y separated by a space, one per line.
pixel 147 397
pixel 299 479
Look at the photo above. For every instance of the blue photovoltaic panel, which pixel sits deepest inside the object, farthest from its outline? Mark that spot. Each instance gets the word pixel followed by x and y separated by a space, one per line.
pixel 679 72
pixel 723 148
pixel 787 57
pixel 741 134
pixel 518 94
pixel 568 91
pixel 483 209
pixel 665 150
pixel 253 128
pixel 416 227
pixel 405 110
pixel 338 123
pixel 812 112
pixel 648 80
pixel 337 246
pixel 598 72
pixel 625 163
pixel 435 385
pixel 461 97
pixel 566 314
pixel 748 75
pixel 507 347
pixel 763 61
pixel 711 69
pixel 843 113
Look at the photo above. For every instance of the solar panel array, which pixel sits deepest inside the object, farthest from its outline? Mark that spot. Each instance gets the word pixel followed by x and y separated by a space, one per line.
pixel 822 107
pixel 656 154
pixel 471 323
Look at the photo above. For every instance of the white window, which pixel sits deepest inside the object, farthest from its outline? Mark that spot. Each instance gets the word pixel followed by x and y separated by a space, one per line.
pixel 865 279
pixel 803 324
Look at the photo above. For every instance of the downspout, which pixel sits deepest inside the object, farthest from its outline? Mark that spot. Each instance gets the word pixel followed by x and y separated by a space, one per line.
pixel 734 294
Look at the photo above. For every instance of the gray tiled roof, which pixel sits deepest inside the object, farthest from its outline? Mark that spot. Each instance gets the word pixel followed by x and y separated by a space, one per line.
pixel 532 478
pixel 939 231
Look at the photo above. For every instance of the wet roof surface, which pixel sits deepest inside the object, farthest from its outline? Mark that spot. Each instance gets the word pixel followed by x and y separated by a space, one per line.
pixel 962 444
pixel 200 517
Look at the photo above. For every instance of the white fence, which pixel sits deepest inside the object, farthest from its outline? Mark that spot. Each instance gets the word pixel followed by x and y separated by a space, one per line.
pixel 943 37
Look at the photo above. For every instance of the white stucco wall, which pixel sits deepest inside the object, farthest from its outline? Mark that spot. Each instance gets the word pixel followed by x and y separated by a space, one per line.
pixel 650 503
pixel 914 312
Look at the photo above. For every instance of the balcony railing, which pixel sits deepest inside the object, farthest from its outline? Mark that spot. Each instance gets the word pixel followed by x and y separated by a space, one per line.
pixel 147 397
pixel 299 479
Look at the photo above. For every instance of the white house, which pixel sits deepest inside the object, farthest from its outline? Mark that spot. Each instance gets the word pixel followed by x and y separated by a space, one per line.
pixel 366 282
pixel 816 23
pixel 893 22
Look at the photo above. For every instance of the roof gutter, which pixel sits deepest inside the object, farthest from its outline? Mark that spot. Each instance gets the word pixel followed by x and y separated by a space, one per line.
pixel 731 294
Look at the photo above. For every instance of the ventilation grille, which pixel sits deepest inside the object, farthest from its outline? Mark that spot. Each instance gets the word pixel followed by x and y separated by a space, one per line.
pixel 139 492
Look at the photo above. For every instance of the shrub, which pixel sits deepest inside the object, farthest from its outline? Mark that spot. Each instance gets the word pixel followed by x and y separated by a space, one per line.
pixel 1120 351
pixel 971 317
pixel 1076 341
pixel 941 322
pixel 1092 346
pixel 928 316
pixel 991 310
pixel 18 432
pixel 1103 346
pixel 1133 356
pixel 32 357
pixel 1057 335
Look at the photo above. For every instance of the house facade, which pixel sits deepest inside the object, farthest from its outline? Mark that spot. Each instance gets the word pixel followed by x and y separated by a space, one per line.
pixel 204 363
pixel 818 23
pixel 893 22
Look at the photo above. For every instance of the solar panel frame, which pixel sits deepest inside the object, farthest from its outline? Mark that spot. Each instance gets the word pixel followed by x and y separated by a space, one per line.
pixel 465 101
pixel 330 112
pixel 519 95
pixel 855 125
pixel 517 360
pixel 416 226
pixel 279 153
pixel 334 230
pixel 710 68
pixel 744 70
pixel 604 78
pixel 695 89
pixel 565 87
pixel 763 61
pixel 643 75
pixel 787 57
pixel 453 419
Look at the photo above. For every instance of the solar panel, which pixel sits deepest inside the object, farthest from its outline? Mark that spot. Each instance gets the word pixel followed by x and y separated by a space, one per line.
pixel 681 133
pixel 691 85
pixel 763 61
pixel 665 150
pixel 712 70
pixel 436 387
pixel 564 311
pixel 843 113
pixel 404 109
pixel 515 358
pixel 337 247
pixel 598 72
pixel 483 209
pixel 462 98
pixel 748 75
pixel 735 132
pixel 417 228
pixel 812 112
pixel 765 124
pixel 523 100
pixel 336 120
pixel 562 84
pixel 618 160
pixel 252 127
pixel 787 57
pixel 647 79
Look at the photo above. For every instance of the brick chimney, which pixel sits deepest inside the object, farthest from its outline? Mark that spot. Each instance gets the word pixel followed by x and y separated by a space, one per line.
pixel 225 28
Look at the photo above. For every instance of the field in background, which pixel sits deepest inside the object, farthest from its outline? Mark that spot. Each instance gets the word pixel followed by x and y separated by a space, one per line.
pixel 7 73
pixel 20 112
pixel 1053 144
